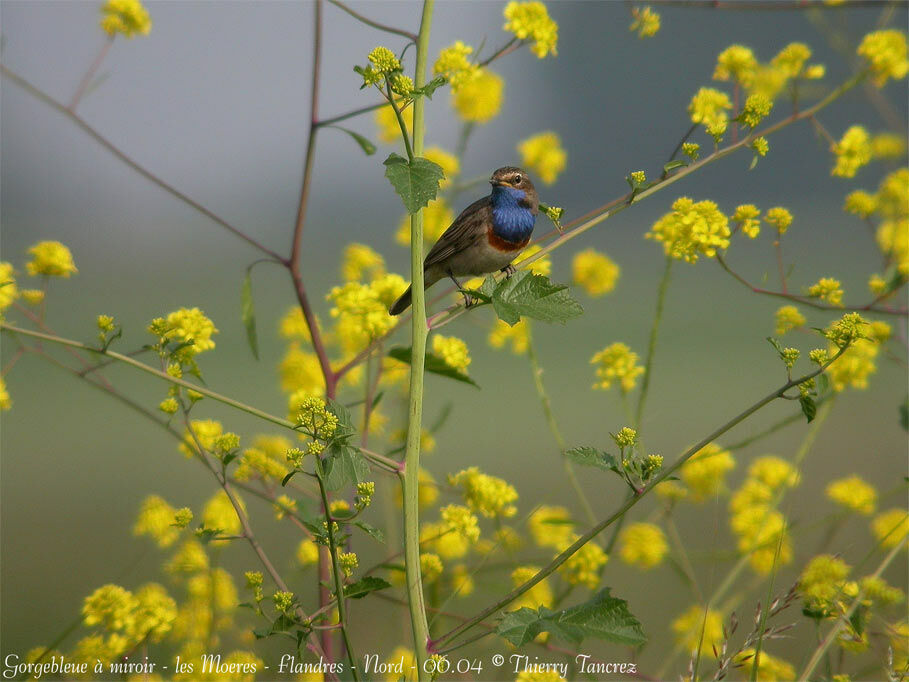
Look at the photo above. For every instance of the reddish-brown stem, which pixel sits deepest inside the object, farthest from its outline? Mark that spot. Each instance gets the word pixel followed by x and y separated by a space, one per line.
pixel 778 247
pixel 86 79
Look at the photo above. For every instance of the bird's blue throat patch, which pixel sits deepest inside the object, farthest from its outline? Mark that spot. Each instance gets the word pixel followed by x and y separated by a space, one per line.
pixel 510 219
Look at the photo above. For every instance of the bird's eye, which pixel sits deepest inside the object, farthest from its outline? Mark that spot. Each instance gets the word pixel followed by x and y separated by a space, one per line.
pixel 516 180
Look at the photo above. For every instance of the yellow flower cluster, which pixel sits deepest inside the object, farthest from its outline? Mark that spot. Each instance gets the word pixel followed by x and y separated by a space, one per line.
pixel 705 473
pixel 206 431
pixel 646 22
pixel 769 668
pixel 643 545
pixel 437 216
pixel 827 289
pixel 779 217
pixel 51 259
pixel 852 152
pixel 616 362
pixel 761 529
pixel 126 17
pixel 531 21
pixel 8 290
pixel 388 129
pixel 891 527
pixel 148 613
pixel 823 581
pixel 449 163
pixel 488 495
pixel 361 262
pixel 307 552
pixel 737 63
pixel 854 494
pixel 747 217
pixel 544 154
pixel 361 310
pixel 156 519
pixel 692 229
pixel 699 629
pixel 189 326
pixel 518 335
pixel 265 458
pixel 892 201
pixel 584 566
pixel 537 596
pixel 6 402
pixel 595 272
pixel 539 676
pixel 479 99
pixel 886 54
pixel 455 65
pixel 462 521
pixel 452 350
pixel 551 526
pixel 756 108
pixel 709 106
pixel 219 513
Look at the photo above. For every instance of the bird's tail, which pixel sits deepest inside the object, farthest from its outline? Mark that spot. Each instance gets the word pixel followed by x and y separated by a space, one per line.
pixel 403 303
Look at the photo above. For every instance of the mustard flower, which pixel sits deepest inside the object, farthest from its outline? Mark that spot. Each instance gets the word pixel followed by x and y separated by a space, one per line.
pixel 30 296
pixel 485 494
pixel 462 582
pixel 517 335
pixel 365 491
pixel 860 203
pixel 348 562
pixel 540 676
pixel 182 517
pixel 877 285
pixel 854 494
pixel 401 84
pixel 479 100
pixel 760 146
pixel 8 290
pixel 543 153
pixel 770 668
pixel 314 416
pixel 822 581
pixel 774 472
pixel 893 239
pixel 156 519
pixel 692 150
pixel 768 80
pixel 616 362
pixel 455 65
pixel 699 629
pixel 531 21
pixel 52 259
pixel 890 527
pixel 452 350
pixel 787 318
pixel 852 152
pixel 437 216
pixel 705 472
pixel 747 216
pixel 626 437
pixel 779 217
pixel 401 655
pixel 266 458
pixel 893 195
pixel 219 513
pixel 384 60
pixel 646 22
pixel 361 311
pixel 736 62
pixel 756 109
pixel 387 124
pixel 6 402
pixel 300 371
pixel 431 567
pixel 551 526
pixel 879 590
pixel 127 17
pixel 444 539
pixel 206 431
pixel 708 106
pixel 763 536
pixel 792 58
pixel 307 553
pixel 541 266
pixel 187 325
pixel 110 606
pixel 827 289
pixel 462 521
pixel 853 368
pixel 886 54
pixel 692 229
pixel 361 262
pixel 888 146
pixel 450 165
pixel 154 614
pixel 643 545
pixel 537 596
pixel 595 272
pixel 584 566
pixel 190 558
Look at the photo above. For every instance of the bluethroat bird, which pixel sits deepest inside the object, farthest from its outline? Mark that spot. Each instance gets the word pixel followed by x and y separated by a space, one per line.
pixel 486 236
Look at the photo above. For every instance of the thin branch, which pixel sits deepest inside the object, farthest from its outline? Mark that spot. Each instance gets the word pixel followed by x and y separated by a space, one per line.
pixel 129 161
pixel 86 79
pixel 374 24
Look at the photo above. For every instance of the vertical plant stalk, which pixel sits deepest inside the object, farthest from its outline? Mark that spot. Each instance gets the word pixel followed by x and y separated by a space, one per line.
pixel 537 372
pixel 415 601
pixel 651 346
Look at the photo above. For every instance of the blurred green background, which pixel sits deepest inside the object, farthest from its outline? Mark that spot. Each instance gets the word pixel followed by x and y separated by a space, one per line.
pixel 215 101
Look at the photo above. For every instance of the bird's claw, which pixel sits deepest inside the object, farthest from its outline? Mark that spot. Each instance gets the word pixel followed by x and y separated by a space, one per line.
pixel 469 300
pixel 509 270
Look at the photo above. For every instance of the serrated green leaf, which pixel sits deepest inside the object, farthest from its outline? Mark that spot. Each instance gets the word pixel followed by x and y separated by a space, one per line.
pixel 248 313
pixel 373 532
pixel 602 617
pixel 809 409
pixel 416 182
pixel 365 144
pixel 591 457
pixel 530 295
pixel 347 467
pixel 364 586
pixel 434 365
pixel 432 86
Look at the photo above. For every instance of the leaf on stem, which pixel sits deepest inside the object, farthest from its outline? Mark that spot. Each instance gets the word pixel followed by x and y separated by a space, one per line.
pixel 364 586
pixel 434 365
pixel 345 465
pixel 530 295
pixel 366 145
pixel 416 182
pixel 248 313
pixel 591 457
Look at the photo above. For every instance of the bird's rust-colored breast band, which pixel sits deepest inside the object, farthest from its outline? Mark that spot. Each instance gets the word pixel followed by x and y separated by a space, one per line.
pixel 503 244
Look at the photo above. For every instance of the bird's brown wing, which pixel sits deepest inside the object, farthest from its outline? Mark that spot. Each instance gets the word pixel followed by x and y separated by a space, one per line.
pixel 462 233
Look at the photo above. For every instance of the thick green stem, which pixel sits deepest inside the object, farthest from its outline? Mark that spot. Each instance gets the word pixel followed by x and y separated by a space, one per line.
pixel 651 346
pixel 415 601
pixel 537 372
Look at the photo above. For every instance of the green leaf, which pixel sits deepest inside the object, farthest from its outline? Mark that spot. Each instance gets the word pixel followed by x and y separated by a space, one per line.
pixel 368 147
pixel 602 617
pixel 289 476
pixel 809 409
pixel 434 365
pixel 416 182
pixel 591 457
pixel 672 165
pixel 364 586
pixel 248 313
pixel 346 466
pixel 432 86
pixel 529 295
pixel 373 532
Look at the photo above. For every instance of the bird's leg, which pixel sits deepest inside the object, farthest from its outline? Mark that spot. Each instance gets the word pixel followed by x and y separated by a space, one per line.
pixel 468 299
pixel 509 270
